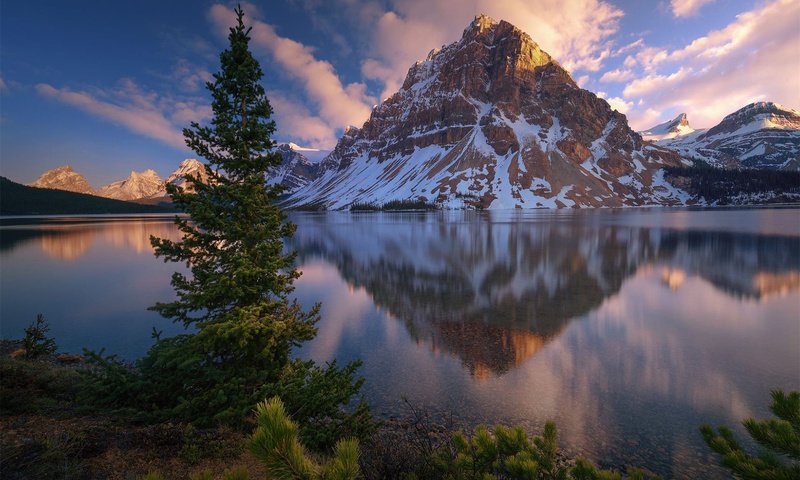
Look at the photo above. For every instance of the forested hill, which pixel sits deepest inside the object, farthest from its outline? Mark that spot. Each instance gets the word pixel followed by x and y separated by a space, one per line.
pixel 17 199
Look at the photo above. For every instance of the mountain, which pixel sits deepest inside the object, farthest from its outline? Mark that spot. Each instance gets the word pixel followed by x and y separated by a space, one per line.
pixel 189 166
pixel 671 129
pixel 17 199
pixel 760 135
pixel 137 185
pixel 492 121
pixel 295 171
pixel 63 178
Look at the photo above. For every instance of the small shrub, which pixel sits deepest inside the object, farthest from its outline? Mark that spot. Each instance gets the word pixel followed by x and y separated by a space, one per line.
pixel 36 342
pixel 277 444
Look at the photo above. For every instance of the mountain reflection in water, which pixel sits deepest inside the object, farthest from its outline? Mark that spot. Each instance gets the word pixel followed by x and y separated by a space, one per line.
pixel 493 293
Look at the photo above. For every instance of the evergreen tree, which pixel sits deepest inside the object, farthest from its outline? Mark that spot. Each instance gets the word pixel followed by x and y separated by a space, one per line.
pixel 237 293
pixel 236 297
pixel 779 439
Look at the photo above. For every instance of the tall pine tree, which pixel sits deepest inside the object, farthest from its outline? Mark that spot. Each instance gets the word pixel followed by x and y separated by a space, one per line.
pixel 236 297
pixel 237 293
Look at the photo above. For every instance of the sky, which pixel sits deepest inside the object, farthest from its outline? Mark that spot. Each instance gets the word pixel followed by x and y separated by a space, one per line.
pixel 107 87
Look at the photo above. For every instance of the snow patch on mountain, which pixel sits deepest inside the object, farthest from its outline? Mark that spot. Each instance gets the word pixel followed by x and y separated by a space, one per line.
pixel 677 127
pixel 63 178
pixel 759 135
pixel 138 185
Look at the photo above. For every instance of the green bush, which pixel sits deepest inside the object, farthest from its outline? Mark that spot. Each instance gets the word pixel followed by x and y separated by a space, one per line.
pixel 507 453
pixel 277 444
pixel 779 438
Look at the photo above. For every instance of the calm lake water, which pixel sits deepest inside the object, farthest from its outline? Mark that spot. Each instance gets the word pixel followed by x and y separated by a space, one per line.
pixel 628 328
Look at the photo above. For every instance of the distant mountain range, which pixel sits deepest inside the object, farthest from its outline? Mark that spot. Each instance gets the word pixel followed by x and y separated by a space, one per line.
pixel 18 199
pixel 295 171
pixel 492 121
pixel 761 135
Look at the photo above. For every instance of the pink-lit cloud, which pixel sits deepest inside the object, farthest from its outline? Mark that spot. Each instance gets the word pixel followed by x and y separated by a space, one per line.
pixel 338 105
pixel 142 112
pixel 616 76
pixel 576 32
pixel 756 57
pixel 687 8
pixel 295 121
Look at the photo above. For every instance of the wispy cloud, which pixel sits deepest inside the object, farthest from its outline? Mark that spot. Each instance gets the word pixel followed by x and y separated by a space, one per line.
pixel 618 75
pixel 337 105
pixel 576 32
pixel 296 122
pixel 756 57
pixel 145 113
pixel 687 8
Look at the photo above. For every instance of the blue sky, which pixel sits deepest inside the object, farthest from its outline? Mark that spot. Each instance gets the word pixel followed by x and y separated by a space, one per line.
pixel 107 86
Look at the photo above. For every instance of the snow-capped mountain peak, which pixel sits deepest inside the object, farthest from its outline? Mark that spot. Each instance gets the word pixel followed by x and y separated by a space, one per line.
pixel 63 178
pixel 759 135
pixel 189 166
pixel 676 127
pixel 492 121
pixel 137 185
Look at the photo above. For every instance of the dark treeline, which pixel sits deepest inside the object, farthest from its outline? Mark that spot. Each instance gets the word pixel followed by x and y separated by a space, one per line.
pixel 723 186
pixel 18 199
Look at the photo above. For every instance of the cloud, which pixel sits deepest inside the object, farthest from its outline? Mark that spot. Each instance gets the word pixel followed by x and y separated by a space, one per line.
pixel 617 75
pixel 576 32
pixel 755 57
pixel 190 77
pixel 296 123
pixel 3 85
pixel 337 105
pixel 145 113
pixel 619 104
pixel 687 8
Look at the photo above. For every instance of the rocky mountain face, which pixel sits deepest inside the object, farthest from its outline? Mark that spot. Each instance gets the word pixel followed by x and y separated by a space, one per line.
pixel 295 171
pixel 492 121
pixel 760 135
pixel 190 166
pixel 676 127
pixel 63 178
pixel 138 185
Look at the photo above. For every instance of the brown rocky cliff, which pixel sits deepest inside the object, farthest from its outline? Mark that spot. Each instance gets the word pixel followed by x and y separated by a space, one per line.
pixel 501 121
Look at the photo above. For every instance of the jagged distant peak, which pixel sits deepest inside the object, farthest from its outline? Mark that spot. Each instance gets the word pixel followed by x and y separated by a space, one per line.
pixel 138 185
pixel 681 119
pixel 758 135
pixel 63 178
pixel 757 116
pixel 677 127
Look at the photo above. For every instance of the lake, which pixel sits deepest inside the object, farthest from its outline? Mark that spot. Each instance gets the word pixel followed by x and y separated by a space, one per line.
pixel 629 328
